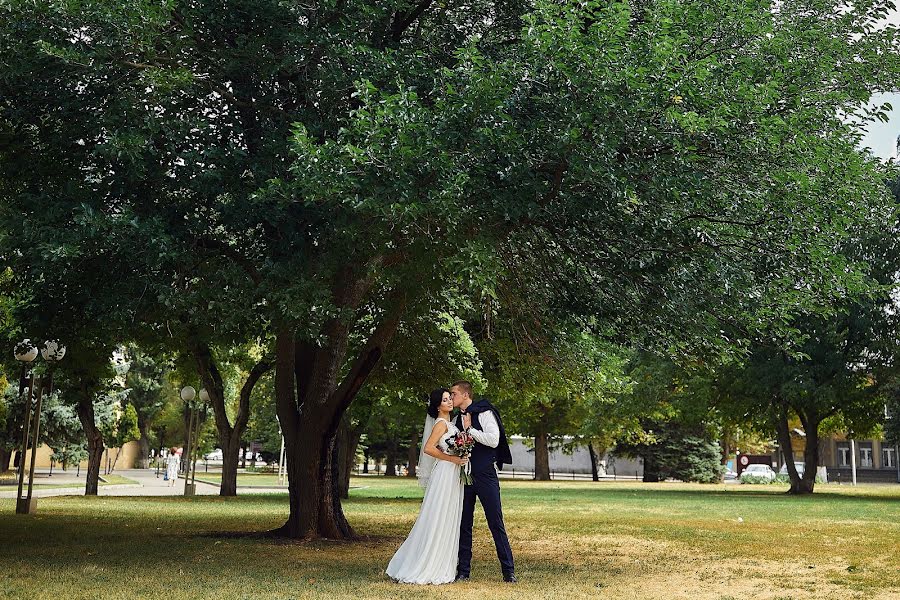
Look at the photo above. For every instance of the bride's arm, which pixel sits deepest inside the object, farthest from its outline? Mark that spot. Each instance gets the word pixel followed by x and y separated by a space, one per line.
pixel 431 449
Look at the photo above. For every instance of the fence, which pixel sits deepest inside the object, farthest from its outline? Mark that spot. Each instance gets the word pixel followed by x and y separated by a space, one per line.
pixel 512 473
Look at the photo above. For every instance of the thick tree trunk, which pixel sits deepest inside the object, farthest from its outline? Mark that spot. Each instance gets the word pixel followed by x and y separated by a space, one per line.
pixel 230 455
pixel 412 456
pixel 807 482
pixel 94 441
pixel 651 469
pixel 4 460
pixel 390 460
pixel 311 402
pixel 314 488
pixel 595 475
pixel 229 434
pixel 541 455
pixel 799 485
pixel 143 459
pixel 810 459
pixel 312 468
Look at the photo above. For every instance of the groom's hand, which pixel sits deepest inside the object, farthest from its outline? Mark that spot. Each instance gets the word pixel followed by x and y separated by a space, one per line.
pixel 467 421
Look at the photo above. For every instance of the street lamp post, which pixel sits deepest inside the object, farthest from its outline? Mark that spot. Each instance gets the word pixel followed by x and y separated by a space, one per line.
pixel 26 353
pixel 188 393
pixel 204 398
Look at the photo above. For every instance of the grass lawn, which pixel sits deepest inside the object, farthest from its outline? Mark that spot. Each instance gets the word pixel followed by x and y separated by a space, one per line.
pixel 571 540
pixel 244 479
pixel 12 483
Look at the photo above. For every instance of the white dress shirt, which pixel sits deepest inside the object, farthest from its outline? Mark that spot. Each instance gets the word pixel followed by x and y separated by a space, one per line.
pixel 490 431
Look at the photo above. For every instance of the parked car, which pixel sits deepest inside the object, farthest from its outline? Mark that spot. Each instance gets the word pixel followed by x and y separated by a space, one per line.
pixel 801 467
pixel 249 456
pixel 214 455
pixel 761 471
pixel 730 475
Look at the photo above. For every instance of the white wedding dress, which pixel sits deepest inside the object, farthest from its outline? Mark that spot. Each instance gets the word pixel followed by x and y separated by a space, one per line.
pixel 429 554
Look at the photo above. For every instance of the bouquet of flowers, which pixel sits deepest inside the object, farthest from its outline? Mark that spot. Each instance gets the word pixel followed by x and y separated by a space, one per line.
pixel 461 445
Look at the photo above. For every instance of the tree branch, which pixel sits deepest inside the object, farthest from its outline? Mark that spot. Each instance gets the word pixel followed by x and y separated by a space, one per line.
pixel 285 390
pixel 229 252
pixel 369 355
pixel 402 23
pixel 212 381
pixel 243 413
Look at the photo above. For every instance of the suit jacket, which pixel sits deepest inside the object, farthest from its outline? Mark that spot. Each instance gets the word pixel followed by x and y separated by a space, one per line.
pixel 483 457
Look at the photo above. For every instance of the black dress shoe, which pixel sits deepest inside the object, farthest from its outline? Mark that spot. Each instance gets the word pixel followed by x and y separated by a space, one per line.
pixel 461 578
pixel 510 578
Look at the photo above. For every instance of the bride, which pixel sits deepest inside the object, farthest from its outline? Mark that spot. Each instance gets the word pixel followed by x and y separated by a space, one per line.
pixel 429 553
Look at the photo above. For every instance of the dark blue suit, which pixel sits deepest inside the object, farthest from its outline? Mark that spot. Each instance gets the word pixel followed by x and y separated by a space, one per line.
pixel 486 487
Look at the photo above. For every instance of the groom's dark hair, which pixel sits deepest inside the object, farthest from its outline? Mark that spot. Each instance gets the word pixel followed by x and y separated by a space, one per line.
pixel 464 386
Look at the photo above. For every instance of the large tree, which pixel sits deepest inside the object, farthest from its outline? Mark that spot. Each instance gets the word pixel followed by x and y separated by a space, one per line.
pixel 833 378
pixel 545 383
pixel 314 172
pixel 230 430
pixel 663 416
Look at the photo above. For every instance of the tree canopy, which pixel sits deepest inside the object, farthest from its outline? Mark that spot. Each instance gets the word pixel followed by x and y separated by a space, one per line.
pixel 316 174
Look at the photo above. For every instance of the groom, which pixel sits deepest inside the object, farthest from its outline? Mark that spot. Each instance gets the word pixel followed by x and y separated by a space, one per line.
pixel 483 422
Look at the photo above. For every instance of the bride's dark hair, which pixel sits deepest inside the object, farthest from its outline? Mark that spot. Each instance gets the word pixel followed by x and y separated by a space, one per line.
pixel 434 401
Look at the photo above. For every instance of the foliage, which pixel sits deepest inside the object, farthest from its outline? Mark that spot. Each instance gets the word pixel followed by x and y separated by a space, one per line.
pixel 127 426
pixel 671 172
pixel 67 455
pixel 892 423
pixel 672 450
pixel 116 419
pixel 11 411
pixel 757 480
pixel 430 352
pixel 61 430
pixel 146 382
pixel 262 425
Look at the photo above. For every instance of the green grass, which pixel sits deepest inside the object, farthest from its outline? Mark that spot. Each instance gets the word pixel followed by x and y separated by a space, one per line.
pixel 11 484
pixel 116 480
pixel 244 479
pixel 571 540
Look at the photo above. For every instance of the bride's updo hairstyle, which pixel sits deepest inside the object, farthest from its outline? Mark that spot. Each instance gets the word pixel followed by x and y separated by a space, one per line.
pixel 434 401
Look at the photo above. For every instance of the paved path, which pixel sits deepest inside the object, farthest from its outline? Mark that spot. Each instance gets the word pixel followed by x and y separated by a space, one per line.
pixel 147 484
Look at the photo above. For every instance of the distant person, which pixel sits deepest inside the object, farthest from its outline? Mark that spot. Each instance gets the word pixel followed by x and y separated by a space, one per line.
pixel 173 463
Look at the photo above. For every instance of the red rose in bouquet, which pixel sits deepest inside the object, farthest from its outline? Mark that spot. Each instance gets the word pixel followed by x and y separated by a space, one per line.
pixel 461 445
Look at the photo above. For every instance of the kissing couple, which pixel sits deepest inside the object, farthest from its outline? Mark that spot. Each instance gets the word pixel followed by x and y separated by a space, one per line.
pixel 439 547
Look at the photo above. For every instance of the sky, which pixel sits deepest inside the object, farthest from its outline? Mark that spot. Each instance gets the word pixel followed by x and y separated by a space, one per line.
pixel 882 137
